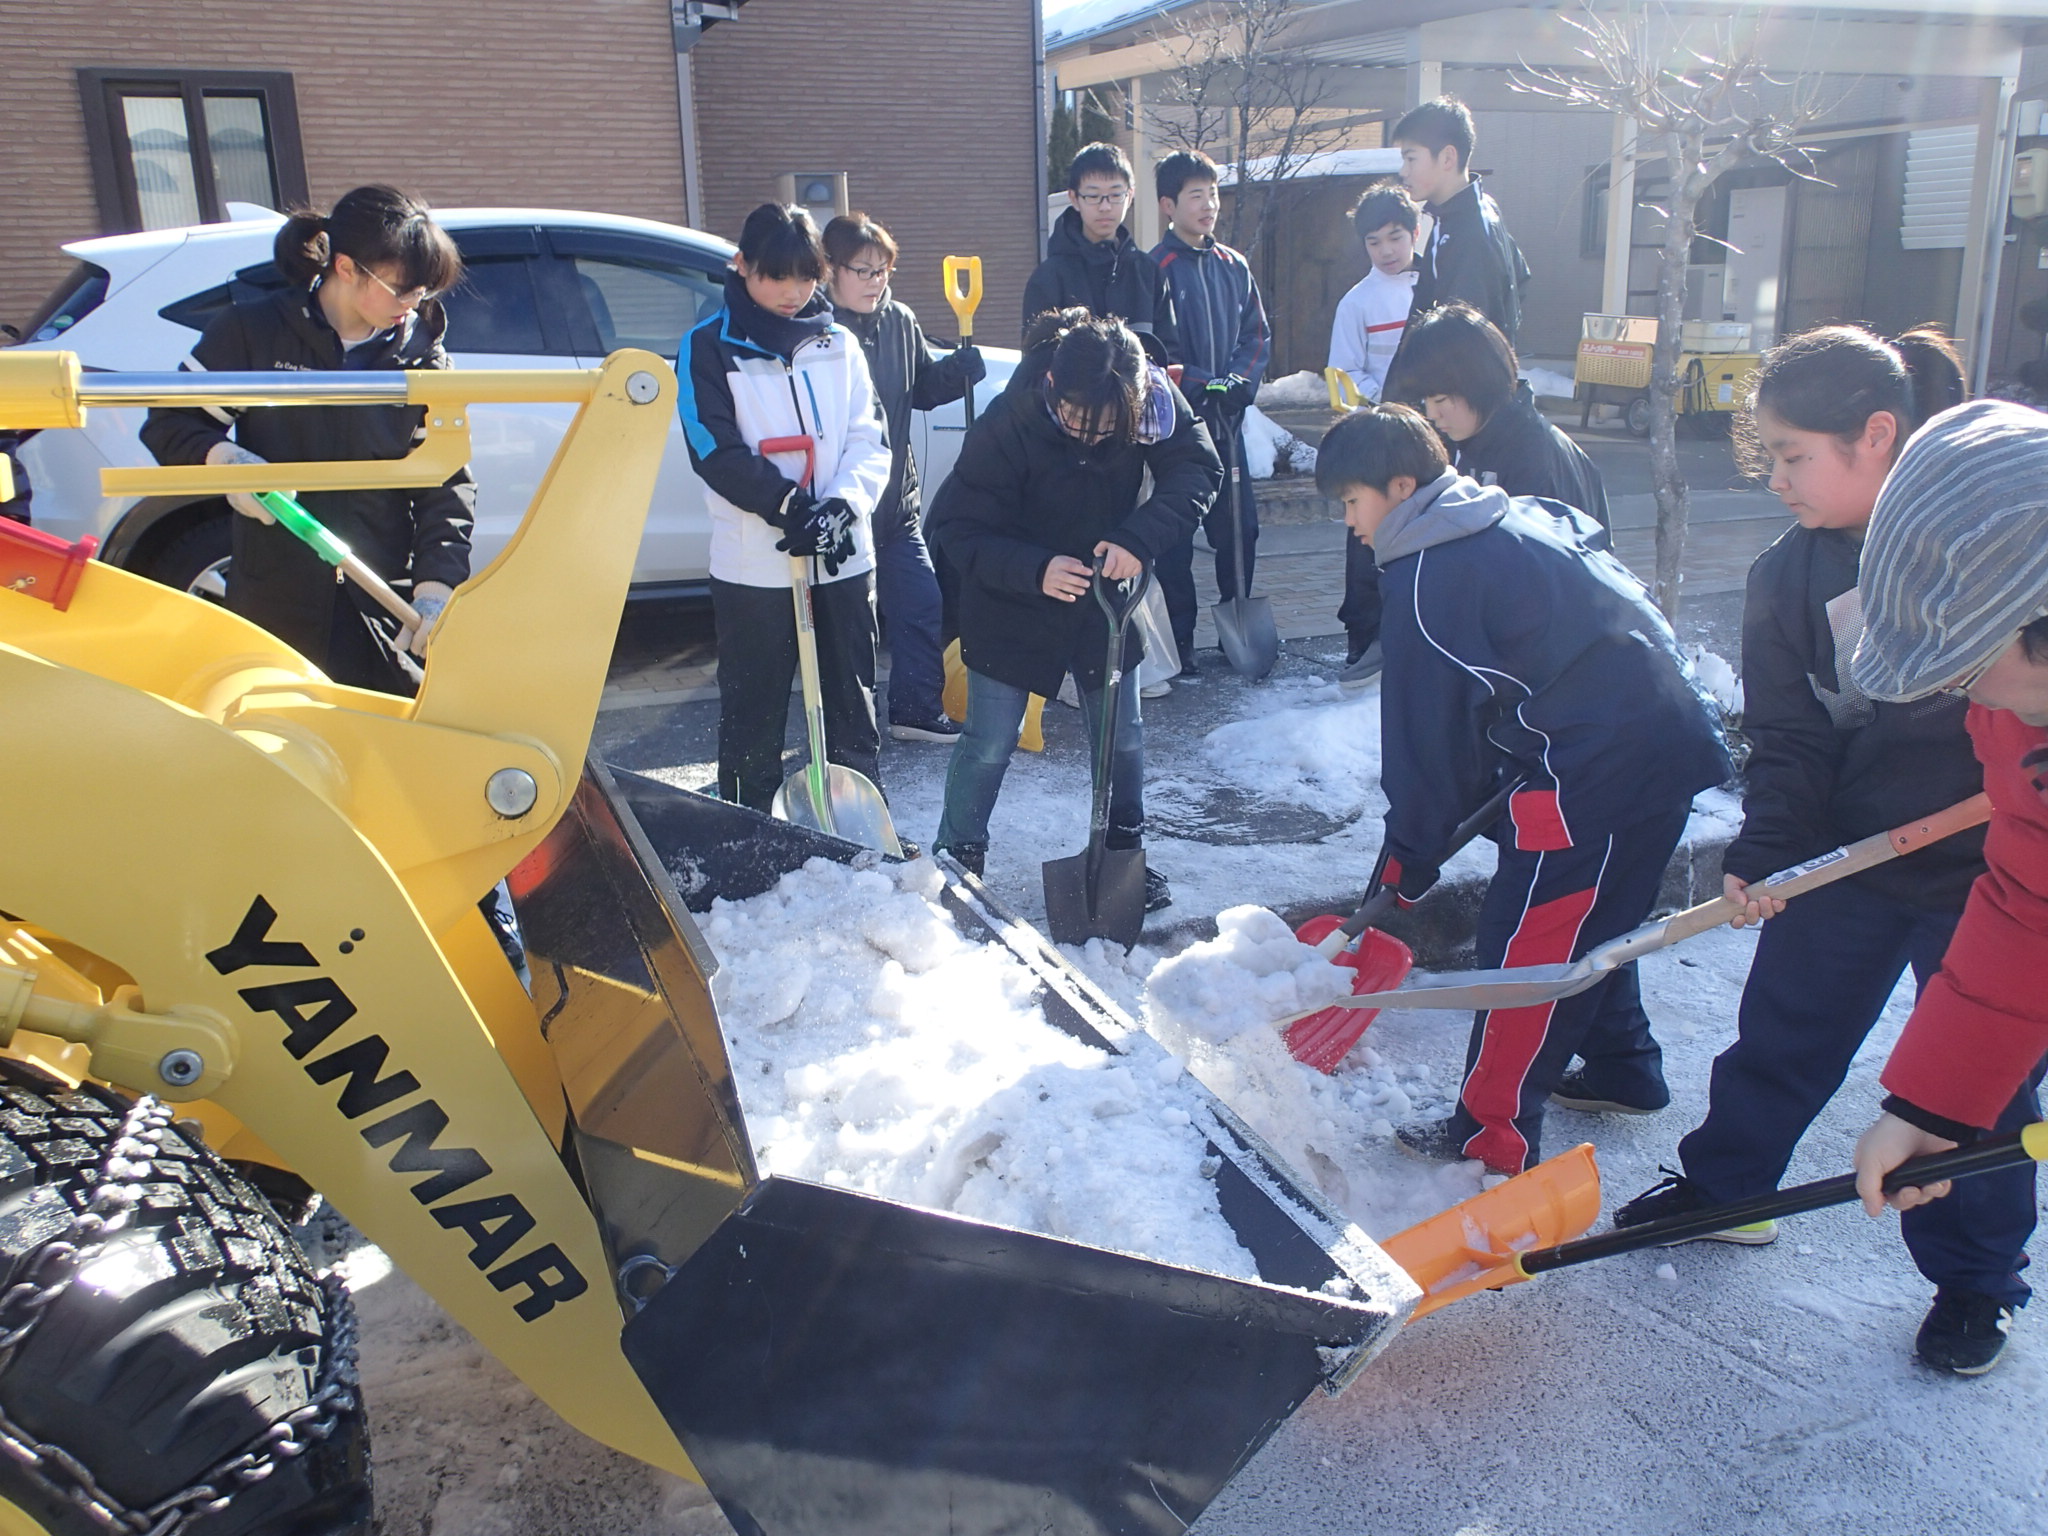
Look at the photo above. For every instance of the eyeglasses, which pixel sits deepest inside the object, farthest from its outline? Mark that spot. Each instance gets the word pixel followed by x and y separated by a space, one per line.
pixel 868 274
pixel 1103 199
pixel 1961 687
pixel 410 300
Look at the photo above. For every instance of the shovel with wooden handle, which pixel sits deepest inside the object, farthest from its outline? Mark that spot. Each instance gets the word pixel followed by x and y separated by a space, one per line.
pixel 1380 963
pixel 965 301
pixel 1529 985
pixel 825 796
pixel 316 535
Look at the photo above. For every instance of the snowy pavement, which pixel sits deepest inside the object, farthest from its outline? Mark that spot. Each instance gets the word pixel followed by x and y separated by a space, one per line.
pixel 1701 1389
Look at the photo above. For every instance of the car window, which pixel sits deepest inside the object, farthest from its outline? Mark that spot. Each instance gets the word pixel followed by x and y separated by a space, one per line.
pixel 77 296
pixel 493 308
pixel 643 301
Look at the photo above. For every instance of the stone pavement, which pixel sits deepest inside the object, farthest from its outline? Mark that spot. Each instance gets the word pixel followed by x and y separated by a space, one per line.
pixel 667 658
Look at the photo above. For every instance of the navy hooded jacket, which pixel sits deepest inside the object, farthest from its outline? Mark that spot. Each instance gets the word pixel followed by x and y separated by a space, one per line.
pixel 1516 645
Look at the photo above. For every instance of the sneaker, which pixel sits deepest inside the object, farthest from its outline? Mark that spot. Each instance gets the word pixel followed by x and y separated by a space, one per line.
pixel 1157 690
pixel 1158 894
pixel 1679 1196
pixel 971 857
pixel 1964 1332
pixel 1362 669
pixel 939 728
pixel 1434 1142
pixel 1572 1093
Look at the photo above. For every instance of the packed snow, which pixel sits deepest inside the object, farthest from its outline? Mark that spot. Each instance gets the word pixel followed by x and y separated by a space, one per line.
pixel 876 1048
pixel 1294 391
pixel 1270 448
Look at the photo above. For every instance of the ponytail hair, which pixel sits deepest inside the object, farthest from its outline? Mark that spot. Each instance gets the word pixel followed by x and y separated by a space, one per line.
pixel 1095 365
pixel 1835 378
pixel 373 226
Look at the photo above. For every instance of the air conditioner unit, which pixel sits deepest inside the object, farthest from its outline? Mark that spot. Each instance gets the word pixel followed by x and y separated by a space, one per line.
pixel 822 194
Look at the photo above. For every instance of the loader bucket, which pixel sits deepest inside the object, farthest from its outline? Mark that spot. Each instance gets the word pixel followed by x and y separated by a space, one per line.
pixel 837 1364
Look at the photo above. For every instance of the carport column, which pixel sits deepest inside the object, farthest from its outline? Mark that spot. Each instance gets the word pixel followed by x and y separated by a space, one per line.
pixel 686 27
pixel 1425 81
pixel 1621 217
pixel 1984 236
pixel 1144 214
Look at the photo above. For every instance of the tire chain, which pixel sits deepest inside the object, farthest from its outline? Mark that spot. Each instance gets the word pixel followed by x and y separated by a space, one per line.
pixel 118 1187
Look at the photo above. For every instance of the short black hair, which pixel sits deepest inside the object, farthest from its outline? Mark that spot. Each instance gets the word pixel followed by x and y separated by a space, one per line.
pixel 1374 446
pixel 1455 350
pixel 781 241
pixel 1173 173
pixel 1384 203
pixel 1436 125
pixel 1099 160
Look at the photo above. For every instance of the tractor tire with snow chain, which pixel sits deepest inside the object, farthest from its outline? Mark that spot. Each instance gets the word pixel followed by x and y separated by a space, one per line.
pixel 170 1365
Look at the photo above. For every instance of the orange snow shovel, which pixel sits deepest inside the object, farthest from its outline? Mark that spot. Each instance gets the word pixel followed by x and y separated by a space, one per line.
pixel 1528 986
pixel 1380 963
pixel 1511 1232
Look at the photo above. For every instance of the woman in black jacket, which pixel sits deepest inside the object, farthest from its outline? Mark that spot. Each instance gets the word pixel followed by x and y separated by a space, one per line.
pixel 1833 410
pixel 364 281
pixel 1461 370
pixel 1047 482
pixel 907 377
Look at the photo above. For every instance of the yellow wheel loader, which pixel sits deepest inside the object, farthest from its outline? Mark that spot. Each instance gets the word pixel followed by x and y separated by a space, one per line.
pixel 240 942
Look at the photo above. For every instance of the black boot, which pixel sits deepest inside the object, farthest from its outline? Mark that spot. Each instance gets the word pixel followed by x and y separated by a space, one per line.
pixel 969 856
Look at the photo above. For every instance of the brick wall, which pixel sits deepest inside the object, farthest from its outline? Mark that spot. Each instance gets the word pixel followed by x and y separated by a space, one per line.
pixel 927 105
pixel 537 103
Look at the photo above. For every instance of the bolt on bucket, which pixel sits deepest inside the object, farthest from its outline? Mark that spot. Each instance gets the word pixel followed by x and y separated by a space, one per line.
pixel 842 1364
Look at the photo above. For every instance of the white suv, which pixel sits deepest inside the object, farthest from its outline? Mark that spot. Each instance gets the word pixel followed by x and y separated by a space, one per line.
pixel 542 289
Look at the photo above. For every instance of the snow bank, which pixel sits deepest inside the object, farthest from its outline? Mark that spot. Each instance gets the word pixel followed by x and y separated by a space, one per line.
pixel 877 1049
pixel 1546 382
pixel 1294 391
pixel 1269 447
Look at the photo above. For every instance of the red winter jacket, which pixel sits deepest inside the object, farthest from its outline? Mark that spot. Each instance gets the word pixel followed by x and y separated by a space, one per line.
pixel 1982 1024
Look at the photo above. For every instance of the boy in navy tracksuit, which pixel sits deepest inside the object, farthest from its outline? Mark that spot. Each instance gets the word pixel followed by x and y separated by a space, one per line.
pixel 1224 344
pixel 1517 647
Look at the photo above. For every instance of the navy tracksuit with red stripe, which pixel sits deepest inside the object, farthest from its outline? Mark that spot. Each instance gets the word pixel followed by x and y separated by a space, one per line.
pixel 1517 647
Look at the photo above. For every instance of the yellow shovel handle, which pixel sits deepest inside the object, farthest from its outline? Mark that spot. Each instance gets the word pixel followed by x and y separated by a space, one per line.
pixel 1344 394
pixel 964 300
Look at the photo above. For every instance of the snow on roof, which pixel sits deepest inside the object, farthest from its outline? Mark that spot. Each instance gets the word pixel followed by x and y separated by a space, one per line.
pixel 1334 162
pixel 1089 17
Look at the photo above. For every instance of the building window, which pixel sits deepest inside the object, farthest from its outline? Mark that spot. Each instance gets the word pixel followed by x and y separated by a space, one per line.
pixel 174 147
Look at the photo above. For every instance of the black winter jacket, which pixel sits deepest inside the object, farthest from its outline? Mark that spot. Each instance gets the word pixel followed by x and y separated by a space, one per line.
pixel 908 377
pixel 1471 256
pixel 1828 765
pixel 1112 278
pixel 1024 491
pixel 406 536
pixel 1217 312
pixel 1522 451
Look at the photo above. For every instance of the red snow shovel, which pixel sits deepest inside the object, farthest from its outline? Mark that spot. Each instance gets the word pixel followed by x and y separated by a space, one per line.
pixel 1380 961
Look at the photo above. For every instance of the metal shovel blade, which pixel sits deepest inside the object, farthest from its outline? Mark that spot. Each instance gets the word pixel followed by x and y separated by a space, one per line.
pixel 1245 630
pixel 854 808
pixel 1112 908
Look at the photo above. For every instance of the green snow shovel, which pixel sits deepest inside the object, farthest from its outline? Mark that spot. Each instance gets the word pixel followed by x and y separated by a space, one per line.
pixel 1528 986
pixel 824 796
pixel 1100 892
pixel 1244 624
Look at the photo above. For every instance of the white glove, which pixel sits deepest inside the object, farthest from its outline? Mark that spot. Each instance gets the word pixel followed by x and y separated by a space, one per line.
pixel 428 599
pixel 225 452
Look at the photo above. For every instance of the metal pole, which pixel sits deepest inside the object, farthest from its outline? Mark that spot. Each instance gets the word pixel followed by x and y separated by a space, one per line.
pixel 382 387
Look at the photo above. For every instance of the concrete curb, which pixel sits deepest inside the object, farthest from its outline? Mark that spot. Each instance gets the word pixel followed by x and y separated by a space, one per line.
pixel 1440 927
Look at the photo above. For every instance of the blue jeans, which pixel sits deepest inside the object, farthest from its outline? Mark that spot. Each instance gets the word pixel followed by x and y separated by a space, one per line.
pixel 1823 971
pixel 995 713
pixel 907 594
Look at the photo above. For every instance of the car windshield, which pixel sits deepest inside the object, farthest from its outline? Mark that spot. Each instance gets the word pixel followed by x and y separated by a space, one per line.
pixel 76 297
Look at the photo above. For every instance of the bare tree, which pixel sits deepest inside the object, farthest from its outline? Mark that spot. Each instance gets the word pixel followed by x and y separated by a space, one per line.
pixel 1249 98
pixel 1698 91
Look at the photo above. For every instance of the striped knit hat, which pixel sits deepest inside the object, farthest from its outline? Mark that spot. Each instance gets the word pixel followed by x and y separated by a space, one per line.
pixel 1956 560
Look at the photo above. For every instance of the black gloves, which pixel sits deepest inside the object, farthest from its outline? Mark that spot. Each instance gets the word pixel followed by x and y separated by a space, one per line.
pixel 972 368
pixel 1234 393
pixel 1410 885
pixel 820 528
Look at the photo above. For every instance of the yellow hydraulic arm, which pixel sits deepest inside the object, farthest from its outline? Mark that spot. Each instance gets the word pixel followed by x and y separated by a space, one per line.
pixel 281 873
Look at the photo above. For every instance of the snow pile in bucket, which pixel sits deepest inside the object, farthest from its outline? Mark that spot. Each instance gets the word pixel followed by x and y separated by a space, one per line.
pixel 1217 1005
pixel 876 1048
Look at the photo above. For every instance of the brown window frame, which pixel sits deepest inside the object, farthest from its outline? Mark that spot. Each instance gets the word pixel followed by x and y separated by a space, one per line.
pixel 113 172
